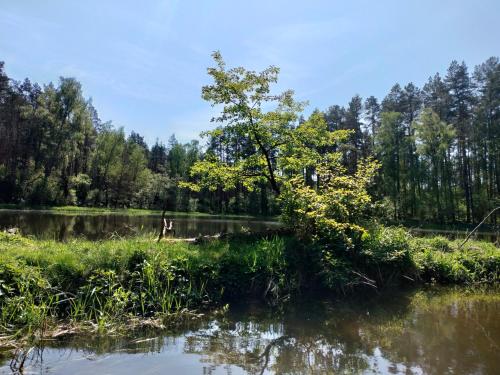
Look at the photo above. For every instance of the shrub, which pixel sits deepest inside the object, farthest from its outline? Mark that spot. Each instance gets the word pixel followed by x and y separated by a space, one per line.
pixel 439 243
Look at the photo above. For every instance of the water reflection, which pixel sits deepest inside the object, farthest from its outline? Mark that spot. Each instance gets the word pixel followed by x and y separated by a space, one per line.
pixel 43 224
pixel 61 227
pixel 418 332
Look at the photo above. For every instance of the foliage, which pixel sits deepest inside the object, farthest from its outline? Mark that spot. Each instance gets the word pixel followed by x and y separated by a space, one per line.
pixel 438 147
pixel 436 139
pixel 81 185
pixel 277 151
pixel 333 210
pixel 476 262
pixel 255 134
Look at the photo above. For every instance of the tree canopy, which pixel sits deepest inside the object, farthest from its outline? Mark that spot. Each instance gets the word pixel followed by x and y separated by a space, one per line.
pixel 439 166
pixel 300 161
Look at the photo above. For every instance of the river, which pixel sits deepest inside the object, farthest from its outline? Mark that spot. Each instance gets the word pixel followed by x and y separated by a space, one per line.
pixel 58 226
pixel 424 331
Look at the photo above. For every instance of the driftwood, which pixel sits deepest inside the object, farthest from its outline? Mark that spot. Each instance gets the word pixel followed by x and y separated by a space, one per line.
pixel 266 354
pixel 228 236
pixel 476 228
pixel 167 227
pixel 12 231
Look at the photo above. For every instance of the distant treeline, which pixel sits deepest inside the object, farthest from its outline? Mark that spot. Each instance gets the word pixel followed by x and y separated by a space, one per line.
pixel 439 147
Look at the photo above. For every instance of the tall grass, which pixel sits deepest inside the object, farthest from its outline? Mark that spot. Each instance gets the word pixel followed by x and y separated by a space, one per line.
pixel 112 282
pixel 115 280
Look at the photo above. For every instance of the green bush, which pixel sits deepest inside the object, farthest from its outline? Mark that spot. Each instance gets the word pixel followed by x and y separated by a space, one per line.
pixel 476 262
pixel 439 243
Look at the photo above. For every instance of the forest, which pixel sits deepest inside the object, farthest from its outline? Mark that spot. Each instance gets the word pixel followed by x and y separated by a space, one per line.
pixel 338 180
pixel 438 149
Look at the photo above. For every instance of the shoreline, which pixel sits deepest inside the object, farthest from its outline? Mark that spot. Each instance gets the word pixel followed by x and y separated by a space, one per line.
pixel 114 284
pixel 77 210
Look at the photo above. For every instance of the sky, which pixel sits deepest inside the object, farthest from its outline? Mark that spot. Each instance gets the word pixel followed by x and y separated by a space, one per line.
pixel 143 63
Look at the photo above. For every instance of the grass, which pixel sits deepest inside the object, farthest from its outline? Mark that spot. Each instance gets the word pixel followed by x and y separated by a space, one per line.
pixel 124 282
pixel 77 210
pixel 118 281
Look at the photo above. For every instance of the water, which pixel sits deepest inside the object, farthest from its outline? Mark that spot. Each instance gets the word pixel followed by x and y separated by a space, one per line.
pixel 45 224
pixel 436 331
pixel 42 224
pixel 453 234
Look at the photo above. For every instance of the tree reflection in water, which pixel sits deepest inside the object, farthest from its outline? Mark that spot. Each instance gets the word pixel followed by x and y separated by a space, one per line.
pixel 62 227
pixel 418 332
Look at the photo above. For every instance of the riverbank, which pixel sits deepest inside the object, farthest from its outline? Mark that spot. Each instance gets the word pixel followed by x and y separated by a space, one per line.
pixel 109 284
pixel 78 210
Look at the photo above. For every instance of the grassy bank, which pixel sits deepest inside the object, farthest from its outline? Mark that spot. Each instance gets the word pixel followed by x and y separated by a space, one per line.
pixel 77 210
pixel 118 282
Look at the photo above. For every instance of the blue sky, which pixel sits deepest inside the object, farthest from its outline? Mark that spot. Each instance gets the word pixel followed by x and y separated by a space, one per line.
pixel 144 62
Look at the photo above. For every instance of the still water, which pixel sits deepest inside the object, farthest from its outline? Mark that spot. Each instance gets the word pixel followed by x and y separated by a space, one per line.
pixel 58 226
pixel 434 331
pixel 42 224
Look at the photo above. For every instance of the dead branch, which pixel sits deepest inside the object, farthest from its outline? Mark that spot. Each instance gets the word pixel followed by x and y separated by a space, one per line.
pixel 476 228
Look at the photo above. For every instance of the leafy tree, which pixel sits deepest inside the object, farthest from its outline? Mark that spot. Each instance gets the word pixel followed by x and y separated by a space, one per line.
pixel 389 150
pixel 336 206
pixel 106 164
pixel 53 143
pixel 356 146
pixel 335 117
pixel 436 96
pixel 244 95
pixel 139 140
pixel 133 174
pixel 282 152
pixel 80 185
pixel 435 140
pixel 157 162
pixel 393 100
pixel 461 99
pixel 372 116
pixel 486 135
